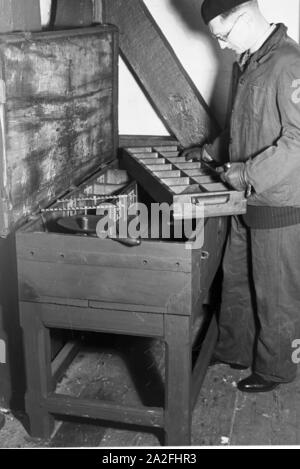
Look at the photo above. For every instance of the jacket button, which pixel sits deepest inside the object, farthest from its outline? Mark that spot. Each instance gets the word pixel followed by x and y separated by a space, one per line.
pixel 242 81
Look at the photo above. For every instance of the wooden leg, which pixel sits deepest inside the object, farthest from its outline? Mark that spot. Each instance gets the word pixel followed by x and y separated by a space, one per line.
pixel 37 347
pixel 178 380
pixel 41 423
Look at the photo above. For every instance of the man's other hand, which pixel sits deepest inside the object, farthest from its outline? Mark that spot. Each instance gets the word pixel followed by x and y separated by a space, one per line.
pixel 197 154
pixel 192 153
pixel 234 174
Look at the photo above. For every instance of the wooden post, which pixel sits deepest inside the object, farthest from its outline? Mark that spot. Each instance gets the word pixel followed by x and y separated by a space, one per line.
pixel 37 348
pixel 98 11
pixel 19 15
pixel 178 412
pixel 73 13
pixel 299 22
pixel 12 374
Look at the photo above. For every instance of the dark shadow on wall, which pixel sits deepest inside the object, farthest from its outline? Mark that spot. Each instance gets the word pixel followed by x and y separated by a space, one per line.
pixel 190 12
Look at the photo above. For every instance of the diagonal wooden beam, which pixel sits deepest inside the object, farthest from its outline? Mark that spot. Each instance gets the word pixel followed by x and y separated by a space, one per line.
pixel 159 73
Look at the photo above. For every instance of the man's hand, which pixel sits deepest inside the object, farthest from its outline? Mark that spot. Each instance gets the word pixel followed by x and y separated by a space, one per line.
pixel 197 154
pixel 192 153
pixel 234 174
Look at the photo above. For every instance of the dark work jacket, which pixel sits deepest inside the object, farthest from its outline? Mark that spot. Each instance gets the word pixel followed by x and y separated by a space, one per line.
pixel 265 122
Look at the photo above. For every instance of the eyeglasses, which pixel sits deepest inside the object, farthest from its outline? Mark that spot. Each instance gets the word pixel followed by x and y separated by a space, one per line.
pixel 225 37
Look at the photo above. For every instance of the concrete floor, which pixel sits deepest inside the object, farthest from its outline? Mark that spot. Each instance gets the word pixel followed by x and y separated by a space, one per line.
pixel 222 417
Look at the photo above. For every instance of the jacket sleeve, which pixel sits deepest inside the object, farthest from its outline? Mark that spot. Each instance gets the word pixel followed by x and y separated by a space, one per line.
pixel 277 162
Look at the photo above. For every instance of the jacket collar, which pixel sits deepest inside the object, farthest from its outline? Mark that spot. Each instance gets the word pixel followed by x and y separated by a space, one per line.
pixel 268 46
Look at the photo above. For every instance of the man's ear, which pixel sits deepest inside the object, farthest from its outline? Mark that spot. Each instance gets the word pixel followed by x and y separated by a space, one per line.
pixel 247 18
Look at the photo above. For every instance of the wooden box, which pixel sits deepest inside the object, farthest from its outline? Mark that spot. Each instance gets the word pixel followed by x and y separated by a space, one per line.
pixel 58 102
pixel 154 288
pixel 156 275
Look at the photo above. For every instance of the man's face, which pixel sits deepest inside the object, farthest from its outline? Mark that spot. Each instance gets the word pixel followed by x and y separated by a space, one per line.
pixel 231 33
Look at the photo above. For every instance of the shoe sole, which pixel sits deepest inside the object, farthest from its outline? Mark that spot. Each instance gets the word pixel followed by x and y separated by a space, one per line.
pixel 256 391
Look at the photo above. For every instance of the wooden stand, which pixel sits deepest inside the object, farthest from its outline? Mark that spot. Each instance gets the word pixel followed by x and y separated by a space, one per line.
pixel 182 385
pixel 88 284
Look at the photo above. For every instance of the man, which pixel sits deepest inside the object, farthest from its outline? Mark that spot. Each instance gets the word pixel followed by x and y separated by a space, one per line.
pixel 2 420
pixel 260 312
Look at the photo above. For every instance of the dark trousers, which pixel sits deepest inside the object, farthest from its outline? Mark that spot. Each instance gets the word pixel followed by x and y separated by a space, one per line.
pixel 260 312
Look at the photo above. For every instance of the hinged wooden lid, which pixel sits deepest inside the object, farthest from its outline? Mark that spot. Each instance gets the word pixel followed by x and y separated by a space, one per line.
pixel 58 115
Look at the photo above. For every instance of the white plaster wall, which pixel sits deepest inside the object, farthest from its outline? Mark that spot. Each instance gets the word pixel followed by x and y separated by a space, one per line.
pixel 45 11
pixel 280 11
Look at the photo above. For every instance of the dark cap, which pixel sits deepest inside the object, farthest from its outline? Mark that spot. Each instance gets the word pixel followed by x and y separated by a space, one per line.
pixel 213 8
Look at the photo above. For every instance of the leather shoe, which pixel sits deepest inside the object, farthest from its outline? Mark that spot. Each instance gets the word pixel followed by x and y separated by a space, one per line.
pixel 255 383
pixel 234 366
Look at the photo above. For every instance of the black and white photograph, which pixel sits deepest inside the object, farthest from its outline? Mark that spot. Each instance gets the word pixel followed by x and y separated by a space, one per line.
pixel 149 228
